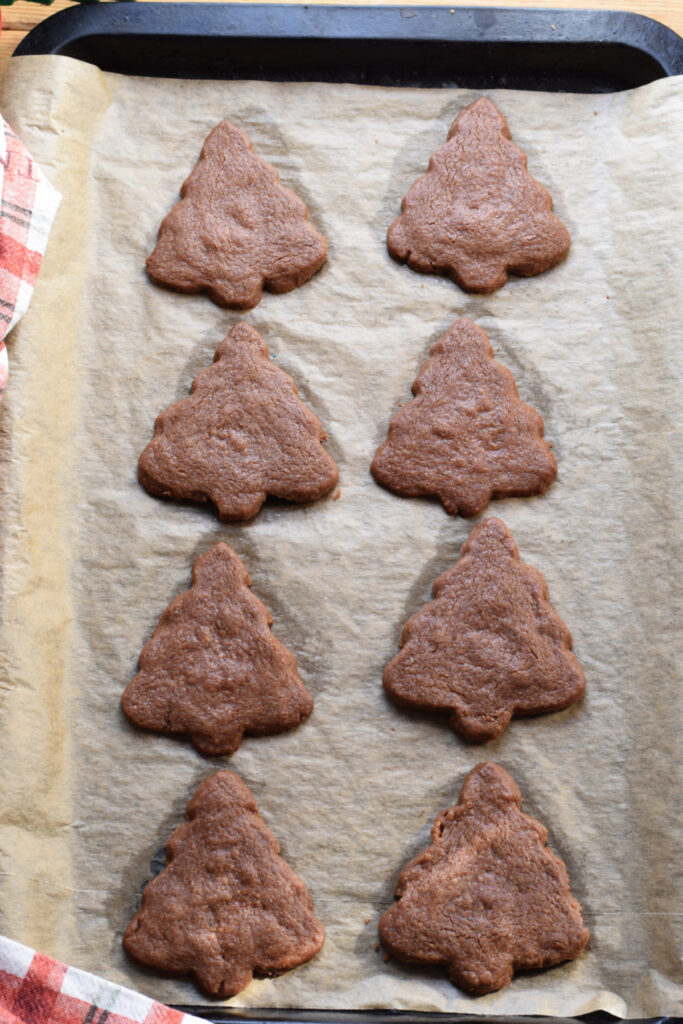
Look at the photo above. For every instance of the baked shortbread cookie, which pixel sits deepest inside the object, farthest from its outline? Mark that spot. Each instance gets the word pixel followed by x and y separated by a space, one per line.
pixel 489 646
pixel 466 437
pixel 242 434
pixel 488 897
pixel 226 907
pixel 477 214
pixel 212 669
pixel 236 229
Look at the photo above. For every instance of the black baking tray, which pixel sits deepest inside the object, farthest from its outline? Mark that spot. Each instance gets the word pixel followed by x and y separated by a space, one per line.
pixel 480 48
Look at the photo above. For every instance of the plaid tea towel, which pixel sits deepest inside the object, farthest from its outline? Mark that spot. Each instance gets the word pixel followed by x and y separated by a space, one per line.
pixel 37 990
pixel 28 204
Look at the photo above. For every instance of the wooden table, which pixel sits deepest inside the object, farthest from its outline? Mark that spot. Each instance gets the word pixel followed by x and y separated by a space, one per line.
pixel 20 18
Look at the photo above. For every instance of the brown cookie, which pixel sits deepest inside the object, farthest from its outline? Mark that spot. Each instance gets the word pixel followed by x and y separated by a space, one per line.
pixel 488 897
pixel 212 669
pixel 242 434
pixel 489 646
pixel 466 437
pixel 226 907
pixel 477 213
pixel 236 230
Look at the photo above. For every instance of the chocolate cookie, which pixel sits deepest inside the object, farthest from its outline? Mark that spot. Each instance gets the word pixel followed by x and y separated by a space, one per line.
pixel 489 646
pixel 242 434
pixel 477 213
pixel 236 230
pixel 466 437
pixel 487 898
pixel 226 907
pixel 212 669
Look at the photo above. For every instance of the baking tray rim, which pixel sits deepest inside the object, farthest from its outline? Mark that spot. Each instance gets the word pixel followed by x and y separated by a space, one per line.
pixel 91 20
pixel 491 26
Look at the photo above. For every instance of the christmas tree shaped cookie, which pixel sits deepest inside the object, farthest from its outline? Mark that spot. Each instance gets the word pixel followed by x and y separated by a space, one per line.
pixel 226 907
pixel 488 897
pixel 236 230
pixel 489 646
pixel 212 669
pixel 242 434
pixel 477 214
pixel 466 437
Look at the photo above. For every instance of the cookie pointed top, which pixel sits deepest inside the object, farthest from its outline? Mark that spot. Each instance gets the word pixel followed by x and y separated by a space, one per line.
pixel 487 897
pixel 236 230
pixel 242 434
pixel 482 116
pixel 488 786
pixel 478 214
pixel 490 538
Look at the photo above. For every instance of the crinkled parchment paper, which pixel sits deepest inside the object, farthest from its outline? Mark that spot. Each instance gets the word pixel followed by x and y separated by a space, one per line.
pixel 90 560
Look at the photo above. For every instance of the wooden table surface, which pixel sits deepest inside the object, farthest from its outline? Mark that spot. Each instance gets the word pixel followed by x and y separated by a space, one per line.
pixel 20 18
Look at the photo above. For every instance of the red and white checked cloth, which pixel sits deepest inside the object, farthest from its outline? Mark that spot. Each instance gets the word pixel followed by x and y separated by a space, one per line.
pixel 37 990
pixel 28 204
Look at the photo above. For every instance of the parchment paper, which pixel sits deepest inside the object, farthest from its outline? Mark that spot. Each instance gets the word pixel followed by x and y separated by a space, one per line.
pixel 90 560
